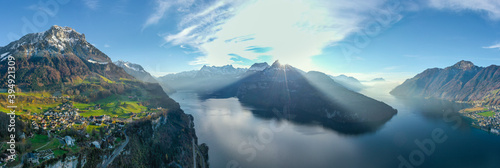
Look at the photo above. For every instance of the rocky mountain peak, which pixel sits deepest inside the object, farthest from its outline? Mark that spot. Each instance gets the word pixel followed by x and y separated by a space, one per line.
pixel 57 37
pixel 64 33
pixel 129 65
pixel 259 66
pixel 463 65
pixel 276 64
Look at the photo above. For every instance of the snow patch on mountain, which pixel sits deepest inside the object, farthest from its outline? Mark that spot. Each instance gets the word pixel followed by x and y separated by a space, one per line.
pixel 97 62
pixel 129 65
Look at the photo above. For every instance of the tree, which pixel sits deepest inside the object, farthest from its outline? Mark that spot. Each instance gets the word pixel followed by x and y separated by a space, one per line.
pixel 94 133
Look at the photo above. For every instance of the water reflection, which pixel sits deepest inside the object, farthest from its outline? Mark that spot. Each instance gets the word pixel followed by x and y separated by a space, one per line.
pixel 240 137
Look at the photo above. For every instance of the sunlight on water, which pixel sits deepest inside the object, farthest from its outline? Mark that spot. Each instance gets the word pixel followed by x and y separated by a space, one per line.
pixel 238 137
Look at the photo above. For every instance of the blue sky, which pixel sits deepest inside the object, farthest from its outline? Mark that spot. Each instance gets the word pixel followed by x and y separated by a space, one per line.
pixel 365 39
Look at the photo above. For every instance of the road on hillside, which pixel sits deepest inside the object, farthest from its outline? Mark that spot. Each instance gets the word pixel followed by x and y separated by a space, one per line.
pixel 116 152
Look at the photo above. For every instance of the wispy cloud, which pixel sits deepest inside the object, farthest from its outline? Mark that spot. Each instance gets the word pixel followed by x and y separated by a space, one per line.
pixel 183 37
pixel 106 46
pixel 162 6
pixel 92 4
pixel 39 7
pixel 290 30
pixel 490 7
pixel 494 46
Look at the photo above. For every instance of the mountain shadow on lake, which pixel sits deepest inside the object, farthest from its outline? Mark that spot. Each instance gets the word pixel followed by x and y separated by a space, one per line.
pixel 308 98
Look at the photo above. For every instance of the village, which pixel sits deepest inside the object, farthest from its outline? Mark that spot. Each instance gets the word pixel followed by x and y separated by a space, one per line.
pixel 486 118
pixel 61 130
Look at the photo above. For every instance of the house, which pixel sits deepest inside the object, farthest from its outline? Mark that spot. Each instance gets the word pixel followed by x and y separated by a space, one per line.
pixel 96 144
pixel 101 118
pixel 32 158
pixel 5 157
pixel 69 141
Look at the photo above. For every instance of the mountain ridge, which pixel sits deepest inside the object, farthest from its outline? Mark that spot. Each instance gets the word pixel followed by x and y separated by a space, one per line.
pixel 138 72
pixel 462 81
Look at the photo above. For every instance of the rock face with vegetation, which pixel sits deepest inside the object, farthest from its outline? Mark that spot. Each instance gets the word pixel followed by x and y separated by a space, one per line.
pixel 463 81
pixel 161 142
pixel 58 72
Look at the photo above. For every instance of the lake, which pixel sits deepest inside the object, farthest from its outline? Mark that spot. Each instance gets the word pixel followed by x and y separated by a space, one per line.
pixel 422 134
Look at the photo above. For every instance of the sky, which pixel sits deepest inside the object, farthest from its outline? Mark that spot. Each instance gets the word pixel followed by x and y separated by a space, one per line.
pixel 393 39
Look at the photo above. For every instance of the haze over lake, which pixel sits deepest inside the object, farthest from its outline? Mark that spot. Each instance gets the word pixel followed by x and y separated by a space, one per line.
pixel 239 138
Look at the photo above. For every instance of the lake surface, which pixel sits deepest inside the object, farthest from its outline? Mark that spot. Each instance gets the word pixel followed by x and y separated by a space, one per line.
pixel 422 134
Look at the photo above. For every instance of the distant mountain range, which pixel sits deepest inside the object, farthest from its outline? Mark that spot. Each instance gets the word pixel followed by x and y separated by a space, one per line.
pixel 138 72
pixel 378 80
pixel 463 81
pixel 191 80
pixel 206 79
pixel 349 82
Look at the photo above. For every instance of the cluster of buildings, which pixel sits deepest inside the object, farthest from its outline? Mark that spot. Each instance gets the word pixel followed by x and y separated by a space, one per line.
pixel 34 158
pixel 65 116
pixel 487 123
pixel 57 119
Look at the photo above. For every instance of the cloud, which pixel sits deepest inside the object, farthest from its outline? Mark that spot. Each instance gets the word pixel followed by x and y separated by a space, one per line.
pixel 162 6
pixel 106 46
pixel 182 37
pixel 391 68
pixel 490 7
pixel 497 46
pixel 256 49
pixel 92 4
pixel 292 31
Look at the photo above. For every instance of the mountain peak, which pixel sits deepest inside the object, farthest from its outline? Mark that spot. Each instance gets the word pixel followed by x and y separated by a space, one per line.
pixel 56 28
pixel 57 40
pixel 276 64
pixel 57 37
pixel 58 34
pixel 464 65
pixel 258 66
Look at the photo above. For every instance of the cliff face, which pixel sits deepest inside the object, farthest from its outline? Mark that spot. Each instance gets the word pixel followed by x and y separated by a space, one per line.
pixel 167 140
pixel 461 82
